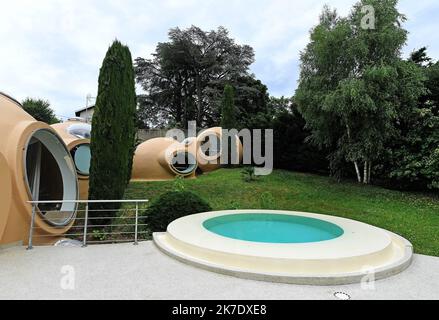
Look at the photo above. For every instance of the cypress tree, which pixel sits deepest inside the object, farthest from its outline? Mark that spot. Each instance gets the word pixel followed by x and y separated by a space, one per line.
pixel 114 129
pixel 228 109
pixel 228 121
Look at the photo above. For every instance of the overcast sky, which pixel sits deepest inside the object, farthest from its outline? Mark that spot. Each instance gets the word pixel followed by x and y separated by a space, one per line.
pixel 53 49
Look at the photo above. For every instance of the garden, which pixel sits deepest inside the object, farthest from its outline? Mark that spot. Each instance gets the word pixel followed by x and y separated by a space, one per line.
pixel 411 215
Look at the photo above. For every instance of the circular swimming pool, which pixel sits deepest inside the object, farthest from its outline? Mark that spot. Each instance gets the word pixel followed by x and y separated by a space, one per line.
pixel 285 246
pixel 273 228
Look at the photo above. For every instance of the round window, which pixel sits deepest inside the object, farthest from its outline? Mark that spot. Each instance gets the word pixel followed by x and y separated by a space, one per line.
pixel 184 163
pixel 82 157
pixel 51 177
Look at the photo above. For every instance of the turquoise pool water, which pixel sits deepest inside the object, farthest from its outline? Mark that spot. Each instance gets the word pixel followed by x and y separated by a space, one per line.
pixel 273 228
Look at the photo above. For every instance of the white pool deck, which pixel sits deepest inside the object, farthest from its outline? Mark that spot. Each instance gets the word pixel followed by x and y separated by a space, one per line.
pixel 342 260
pixel 125 271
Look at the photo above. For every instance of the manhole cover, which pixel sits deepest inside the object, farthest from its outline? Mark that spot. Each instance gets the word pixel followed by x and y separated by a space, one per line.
pixel 342 296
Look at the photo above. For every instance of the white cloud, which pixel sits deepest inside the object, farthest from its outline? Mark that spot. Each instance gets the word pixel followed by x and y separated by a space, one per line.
pixel 53 49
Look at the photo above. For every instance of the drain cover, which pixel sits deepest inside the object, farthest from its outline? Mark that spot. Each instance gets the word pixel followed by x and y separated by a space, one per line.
pixel 68 243
pixel 342 296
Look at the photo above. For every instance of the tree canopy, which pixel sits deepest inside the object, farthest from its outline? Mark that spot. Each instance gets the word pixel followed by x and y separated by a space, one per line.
pixel 40 109
pixel 185 78
pixel 351 80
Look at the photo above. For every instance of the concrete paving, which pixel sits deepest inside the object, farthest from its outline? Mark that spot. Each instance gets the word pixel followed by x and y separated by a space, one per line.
pixel 125 271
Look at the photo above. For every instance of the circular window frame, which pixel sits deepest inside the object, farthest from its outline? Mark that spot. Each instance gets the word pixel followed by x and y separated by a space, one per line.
pixel 73 152
pixel 65 206
pixel 192 167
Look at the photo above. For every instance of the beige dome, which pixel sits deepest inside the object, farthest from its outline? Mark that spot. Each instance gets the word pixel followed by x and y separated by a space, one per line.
pixel 153 159
pixel 36 162
pixel 159 159
pixel 5 194
pixel 76 135
pixel 209 146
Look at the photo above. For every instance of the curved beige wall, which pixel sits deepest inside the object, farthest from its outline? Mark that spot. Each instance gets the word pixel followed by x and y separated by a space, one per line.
pixel 16 128
pixel 152 160
pixel 151 163
pixel 208 163
pixel 71 142
pixel 5 194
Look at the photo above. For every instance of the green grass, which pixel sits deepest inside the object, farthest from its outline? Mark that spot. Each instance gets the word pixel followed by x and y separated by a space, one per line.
pixel 411 215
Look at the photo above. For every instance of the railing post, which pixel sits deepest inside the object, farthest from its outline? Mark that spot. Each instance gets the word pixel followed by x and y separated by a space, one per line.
pixel 31 230
pixel 84 241
pixel 137 223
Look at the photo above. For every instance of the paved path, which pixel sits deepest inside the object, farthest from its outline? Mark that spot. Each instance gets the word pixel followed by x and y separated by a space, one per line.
pixel 125 271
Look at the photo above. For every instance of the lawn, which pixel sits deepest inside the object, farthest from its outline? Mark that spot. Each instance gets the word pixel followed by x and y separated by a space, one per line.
pixel 413 216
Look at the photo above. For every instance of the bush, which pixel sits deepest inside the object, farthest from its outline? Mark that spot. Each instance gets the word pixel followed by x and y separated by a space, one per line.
pixel 248 174
pixel 173 205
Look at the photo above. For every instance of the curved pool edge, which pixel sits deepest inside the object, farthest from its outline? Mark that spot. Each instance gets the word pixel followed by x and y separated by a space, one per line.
pixel 343 260
pixel 383 272
pixel 274 228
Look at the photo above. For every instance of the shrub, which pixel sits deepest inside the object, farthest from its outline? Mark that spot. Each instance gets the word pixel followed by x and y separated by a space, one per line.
pixel 233 205
pixel 248 174
pixel 173 205
pixel 179 183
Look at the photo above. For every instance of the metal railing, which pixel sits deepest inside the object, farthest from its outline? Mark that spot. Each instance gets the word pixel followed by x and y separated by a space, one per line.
pixel 129 211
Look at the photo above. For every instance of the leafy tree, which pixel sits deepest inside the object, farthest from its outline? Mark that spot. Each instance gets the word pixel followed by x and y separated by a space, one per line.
pixel 40 110
pixel 185 78
pixel 113 135
pixel 252 102
pixel 350 84
pixel 292 151
pixel 420 57
pixel 415 155
pixel 432 84
pixel 412 158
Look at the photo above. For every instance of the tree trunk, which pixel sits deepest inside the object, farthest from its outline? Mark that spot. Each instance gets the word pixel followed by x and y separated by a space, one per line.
pixel 179 111
pixel 357 169
pixel 369 173
pixel 365 173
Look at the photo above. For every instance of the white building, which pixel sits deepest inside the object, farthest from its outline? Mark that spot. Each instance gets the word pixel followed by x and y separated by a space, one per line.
pixel 85 113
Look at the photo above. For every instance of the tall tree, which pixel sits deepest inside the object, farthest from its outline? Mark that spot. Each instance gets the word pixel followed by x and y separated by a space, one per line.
pixel 113 135
pixel 228 110
pixel 40 110
pixel 252 102
pixel 413 157
pixel 291 149
pixel 349 91
pixel 185 78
